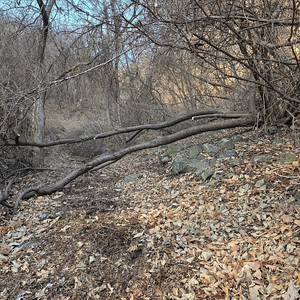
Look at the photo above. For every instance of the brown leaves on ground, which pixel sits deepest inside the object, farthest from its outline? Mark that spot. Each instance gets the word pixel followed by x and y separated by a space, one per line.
pixel 161 237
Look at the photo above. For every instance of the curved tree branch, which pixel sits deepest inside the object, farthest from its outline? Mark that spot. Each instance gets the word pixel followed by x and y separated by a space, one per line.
pixel 162 125
pixel 103 161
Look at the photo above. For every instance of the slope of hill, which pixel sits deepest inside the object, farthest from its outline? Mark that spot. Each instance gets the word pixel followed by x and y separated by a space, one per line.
pixel 161 235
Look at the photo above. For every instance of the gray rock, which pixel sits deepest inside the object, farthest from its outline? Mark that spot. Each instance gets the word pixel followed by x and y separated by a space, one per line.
pixel 223 207
pixel 227 154
pixel 201 157
pixel 191 165
pixel 173 150
pixel 226 144
pixel 229 175
pixel 236 138
pixel 195 150
pixel 213 184
pixel 170 152
pixel 261 158
pixel 133 177
pixel 212 162
pixel 201 166
pixel 164 159
pixel 243 189
pixel 216 177
pixel 235 162
pixel 210 149
pixel 276 143
pixel 207 174
pixel 286 157
pixel 184 165
pixel 207 255
pixel 260 183
pixel 272 130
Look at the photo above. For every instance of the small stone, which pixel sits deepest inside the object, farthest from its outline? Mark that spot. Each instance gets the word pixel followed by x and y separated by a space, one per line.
pixel 164 160
pixel 260 183
pixel 229 175
pixel 272 130
pixel 201 157
pixel 92 259
pixel 223 207
pixel 173 150
pixel 179 165
pixel 261 158
pixel 290 248
pixel 243 189
pixel 207 255
pixel 213 183
pixel 277 143
pixel 227 154
pixel 195 151
pixel 133 177
pixel 211 149
pixel 183 165
pixel 43 216
pixel 234 162
pixel 286 157
pixel 201 166
pixel 226 144
pixel 207 174
pixel 237 138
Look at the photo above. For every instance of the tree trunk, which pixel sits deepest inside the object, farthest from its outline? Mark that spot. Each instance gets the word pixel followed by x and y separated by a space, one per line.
pixel 38 118
pixel 38 129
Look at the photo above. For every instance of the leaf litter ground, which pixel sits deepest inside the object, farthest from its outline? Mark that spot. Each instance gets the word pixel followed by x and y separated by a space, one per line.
pixel 161 237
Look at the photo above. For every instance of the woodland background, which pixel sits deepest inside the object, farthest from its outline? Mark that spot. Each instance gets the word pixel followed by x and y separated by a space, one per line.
pixel 107 65
pixel 84 84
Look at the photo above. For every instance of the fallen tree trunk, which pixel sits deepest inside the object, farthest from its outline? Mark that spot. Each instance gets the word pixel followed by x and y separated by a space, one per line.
pixel 103 161
pixel 137 129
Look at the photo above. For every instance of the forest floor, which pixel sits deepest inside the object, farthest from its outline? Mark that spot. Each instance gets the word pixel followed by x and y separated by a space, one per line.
pixel 161 237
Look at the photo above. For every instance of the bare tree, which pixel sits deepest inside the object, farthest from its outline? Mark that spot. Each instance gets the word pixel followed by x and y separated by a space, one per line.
pixel 250 42
pixel 38 119
pixel 163 57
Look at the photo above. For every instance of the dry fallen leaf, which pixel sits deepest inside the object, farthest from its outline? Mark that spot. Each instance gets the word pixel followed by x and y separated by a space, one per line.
pixel 254 293
pixel 255 266
pixel 287 218
pixel 292 293
pixel 297 222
